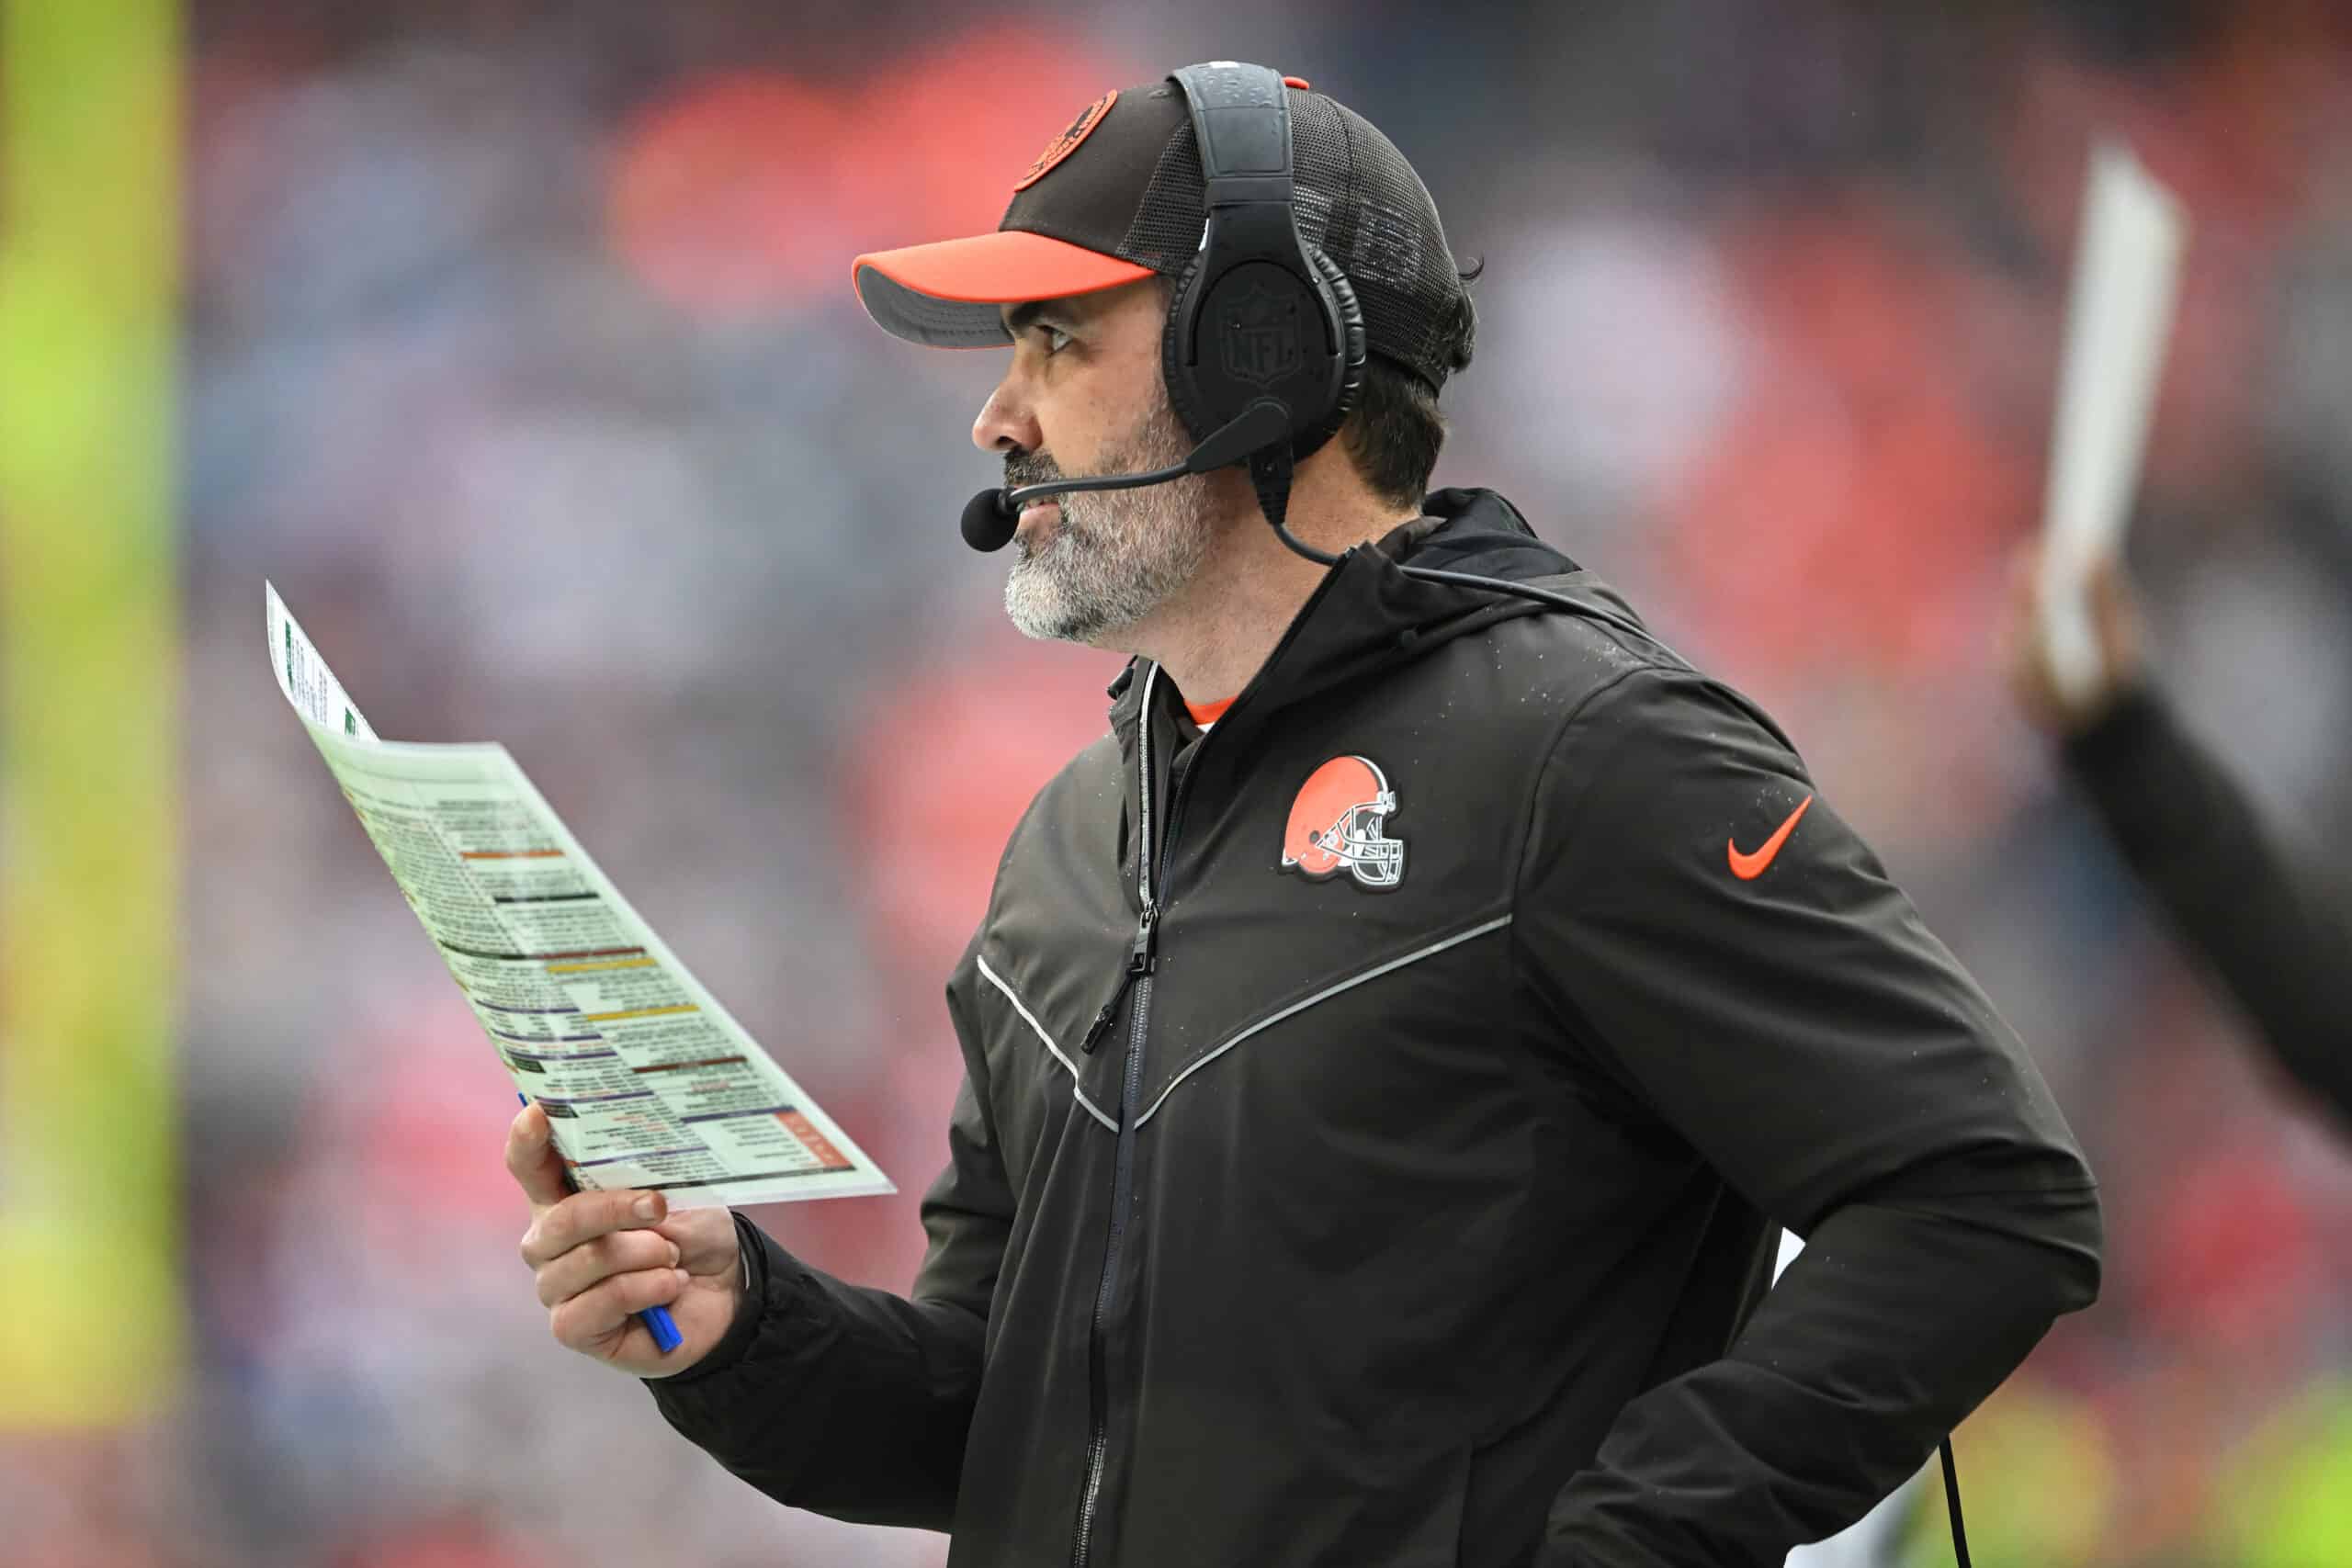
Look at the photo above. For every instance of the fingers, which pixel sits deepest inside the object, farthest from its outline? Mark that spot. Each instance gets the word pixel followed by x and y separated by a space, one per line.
pixel 2016 624
pixel 2024 653
pixel 532 1160
pixel 706 1240
pixel 594 1320
pixel 583 1216
pixel 593 1262
pixel 2116 616
pixel 2025 569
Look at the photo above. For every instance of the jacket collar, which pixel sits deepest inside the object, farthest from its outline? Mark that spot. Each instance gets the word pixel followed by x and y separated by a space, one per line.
pixel 1367 614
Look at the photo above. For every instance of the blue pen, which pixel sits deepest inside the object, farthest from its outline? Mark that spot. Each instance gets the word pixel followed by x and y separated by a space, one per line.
pixel 656 1319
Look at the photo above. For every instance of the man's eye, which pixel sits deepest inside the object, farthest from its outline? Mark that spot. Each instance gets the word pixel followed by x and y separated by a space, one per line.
pixel 1055 339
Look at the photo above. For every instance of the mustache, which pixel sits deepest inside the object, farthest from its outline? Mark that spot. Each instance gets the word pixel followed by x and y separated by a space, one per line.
pixel 1030 469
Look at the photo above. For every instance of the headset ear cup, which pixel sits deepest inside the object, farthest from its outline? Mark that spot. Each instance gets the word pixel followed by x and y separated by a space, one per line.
pixel 1348 315
pixel 1336 295
pixel 1183 390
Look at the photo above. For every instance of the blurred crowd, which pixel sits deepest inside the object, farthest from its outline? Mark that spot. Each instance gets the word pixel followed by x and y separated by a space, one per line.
pixel 520 353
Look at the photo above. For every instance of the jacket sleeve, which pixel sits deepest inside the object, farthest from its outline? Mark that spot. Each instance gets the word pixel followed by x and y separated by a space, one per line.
pixel 2277 934
pixel 855 1401
pixel 1809 1040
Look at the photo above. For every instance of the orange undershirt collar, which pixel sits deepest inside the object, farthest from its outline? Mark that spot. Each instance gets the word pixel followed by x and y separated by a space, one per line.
pixel 1206 714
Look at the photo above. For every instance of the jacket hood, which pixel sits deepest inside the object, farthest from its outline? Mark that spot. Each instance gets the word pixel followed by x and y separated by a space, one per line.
pixel 1476 532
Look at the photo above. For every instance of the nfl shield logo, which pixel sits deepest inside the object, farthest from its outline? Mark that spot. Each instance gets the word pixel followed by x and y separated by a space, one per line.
pixel 1260 335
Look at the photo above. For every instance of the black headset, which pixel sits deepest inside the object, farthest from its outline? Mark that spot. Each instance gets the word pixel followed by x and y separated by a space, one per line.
pixel 1263 349
pixel 1265 337
pixel 1258 312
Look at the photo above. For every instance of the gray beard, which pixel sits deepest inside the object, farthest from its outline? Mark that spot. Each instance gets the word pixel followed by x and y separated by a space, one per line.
pixel 1115 555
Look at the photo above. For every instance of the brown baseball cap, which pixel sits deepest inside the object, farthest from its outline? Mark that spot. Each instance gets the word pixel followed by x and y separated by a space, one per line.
pixel 1117 196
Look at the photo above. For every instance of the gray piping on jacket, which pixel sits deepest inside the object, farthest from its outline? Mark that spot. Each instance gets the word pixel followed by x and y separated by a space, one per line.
pixel 1029 1017
pixel 1326 994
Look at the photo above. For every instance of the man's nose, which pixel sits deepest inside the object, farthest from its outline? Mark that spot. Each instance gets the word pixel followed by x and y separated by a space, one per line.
pixel 1005 421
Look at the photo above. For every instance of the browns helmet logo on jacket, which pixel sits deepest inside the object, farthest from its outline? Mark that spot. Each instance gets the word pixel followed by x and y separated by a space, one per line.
pixel 1337 822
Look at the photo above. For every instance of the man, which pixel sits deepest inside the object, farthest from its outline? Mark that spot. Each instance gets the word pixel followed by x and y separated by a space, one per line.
pixel 2276 934
pixel 1390 1051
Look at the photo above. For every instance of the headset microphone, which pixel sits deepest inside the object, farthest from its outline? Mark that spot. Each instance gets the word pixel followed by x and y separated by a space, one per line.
pixel 988 526
pixel 991 517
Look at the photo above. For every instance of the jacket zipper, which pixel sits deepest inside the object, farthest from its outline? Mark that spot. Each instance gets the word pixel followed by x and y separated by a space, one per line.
pixel 1143 957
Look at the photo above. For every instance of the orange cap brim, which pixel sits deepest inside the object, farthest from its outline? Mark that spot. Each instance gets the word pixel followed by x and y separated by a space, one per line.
pixel 947 295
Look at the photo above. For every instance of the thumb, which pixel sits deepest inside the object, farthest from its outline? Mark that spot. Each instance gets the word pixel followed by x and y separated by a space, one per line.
pixel 532 1159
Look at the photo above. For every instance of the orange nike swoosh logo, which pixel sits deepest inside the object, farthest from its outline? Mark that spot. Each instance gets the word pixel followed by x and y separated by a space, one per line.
pixel 1747 868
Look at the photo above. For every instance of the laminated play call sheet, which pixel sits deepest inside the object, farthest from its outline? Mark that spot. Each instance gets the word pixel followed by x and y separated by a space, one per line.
pixel 646 1080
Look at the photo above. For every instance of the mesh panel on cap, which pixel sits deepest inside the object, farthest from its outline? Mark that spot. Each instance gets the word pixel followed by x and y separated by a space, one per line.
pixel 1359 201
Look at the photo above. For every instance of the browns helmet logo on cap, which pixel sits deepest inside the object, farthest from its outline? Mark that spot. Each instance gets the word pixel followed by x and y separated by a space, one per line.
pixel 1065 144
pixel 1336 825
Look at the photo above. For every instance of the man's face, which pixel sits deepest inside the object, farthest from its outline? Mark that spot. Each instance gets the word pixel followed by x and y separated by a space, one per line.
pixel 1084 396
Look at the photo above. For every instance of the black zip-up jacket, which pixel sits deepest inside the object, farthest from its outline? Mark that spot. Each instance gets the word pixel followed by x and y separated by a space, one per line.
pixel 1415 1206
pixel 2276 932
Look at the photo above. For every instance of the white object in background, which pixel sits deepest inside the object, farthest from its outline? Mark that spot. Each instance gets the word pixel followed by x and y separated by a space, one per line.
pixel 2126 271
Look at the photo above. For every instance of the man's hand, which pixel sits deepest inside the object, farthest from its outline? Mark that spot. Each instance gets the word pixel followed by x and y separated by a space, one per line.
pixel 601 1257
pixel 2025 647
